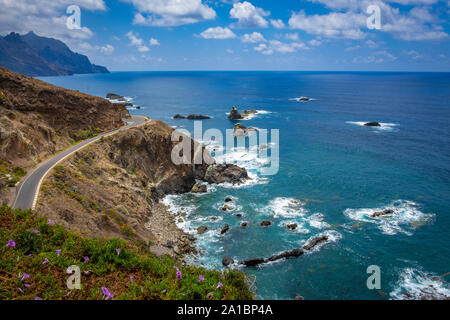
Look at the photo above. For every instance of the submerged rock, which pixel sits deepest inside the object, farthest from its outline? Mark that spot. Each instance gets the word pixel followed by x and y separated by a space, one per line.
pixel 179 116
pixel 372 124
pixel 226 261
pixel 266 223
pixel 244 224
pixel 225 229
pixel 198 117
pixel 292 226
pixel 253 262
pixel 221 173
pixel 202 229
pixel 287 254
pixel 382 213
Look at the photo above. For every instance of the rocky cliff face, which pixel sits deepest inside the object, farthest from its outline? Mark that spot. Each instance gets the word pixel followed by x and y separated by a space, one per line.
pixel 38 119
pixel 113 188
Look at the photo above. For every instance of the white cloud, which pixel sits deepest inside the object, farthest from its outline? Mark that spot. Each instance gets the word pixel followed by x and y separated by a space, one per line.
pixel 137 42
pixel 278 24
pixel 414 54
pixel 154 42
pixel 315 43
pixel 278 46
pixel 218 33
pixel 107 49
pixel 169 13
pixel 254 37
pixel 249 16
pixel 371 44
pixel 292 36
pixel 230 51
pixel 334 25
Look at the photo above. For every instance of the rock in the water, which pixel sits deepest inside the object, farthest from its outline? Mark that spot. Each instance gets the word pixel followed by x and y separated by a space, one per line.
pixel 382 213
pixel 314 242
pixel 227 261
pixel 227 208
pixel 266 223
pixel 179 116
pixel 199 188
pixel 228 199
pixel 304 99
pixel 292 226
pixel 372 124
pixel 244 224
pixel 239 215
pixel 221 173
pixel 225 229
pixel 202 229
pixel 234 114
pixel 198 117
pixel 287 254
pixel 299 298
pixel 241 131
pixel 253 262
pixel 114 96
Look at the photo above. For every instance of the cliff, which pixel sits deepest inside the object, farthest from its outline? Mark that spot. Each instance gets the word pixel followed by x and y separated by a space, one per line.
pixel 33 55
pixel 38 120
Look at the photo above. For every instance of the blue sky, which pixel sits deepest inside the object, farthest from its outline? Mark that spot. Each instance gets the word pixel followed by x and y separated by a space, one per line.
pixel 245 35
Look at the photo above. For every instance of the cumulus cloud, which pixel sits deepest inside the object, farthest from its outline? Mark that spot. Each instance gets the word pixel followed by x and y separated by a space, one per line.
pixel 169 13
pixel 278 24
pixel 249 16
pixel 254 37
pixel 218 33
pixel 46 18
pixel 107 49
pixel 153 42
pixel 278 46
pixel 137 42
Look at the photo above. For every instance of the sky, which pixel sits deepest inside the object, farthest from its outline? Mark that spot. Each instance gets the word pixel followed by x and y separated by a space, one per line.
pixel 310 35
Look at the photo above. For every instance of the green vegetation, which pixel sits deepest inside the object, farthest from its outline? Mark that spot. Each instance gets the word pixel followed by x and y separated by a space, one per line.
pixel 132 273
pixel 11 175
pixel 86 134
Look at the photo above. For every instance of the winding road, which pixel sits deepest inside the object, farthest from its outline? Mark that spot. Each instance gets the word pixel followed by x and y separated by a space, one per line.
pixel 28 189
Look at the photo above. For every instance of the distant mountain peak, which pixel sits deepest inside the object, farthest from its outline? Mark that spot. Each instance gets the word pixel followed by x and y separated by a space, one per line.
pixel 34 55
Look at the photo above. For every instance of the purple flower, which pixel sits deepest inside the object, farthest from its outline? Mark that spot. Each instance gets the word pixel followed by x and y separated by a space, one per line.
pixel 179 275
pixel 45 261
pixel 118 251
pixel 36 231
pixel 86 259
pixel 50 222
pixel 131 279
pixel 107 294
pixel 19 289
pixel 200 278
pixel 58 252
pixel 11 243
pixel 27 285
pixel 220 285
pixel 176 268
pixel 25 276
pixel 37 298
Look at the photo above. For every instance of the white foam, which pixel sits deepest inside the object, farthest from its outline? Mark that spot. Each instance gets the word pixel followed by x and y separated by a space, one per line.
pixel 301 99
pixel 406 217
pixel 414 284
pixel 384 126
pixel 127 100
pixel 333 236
pixel 286 208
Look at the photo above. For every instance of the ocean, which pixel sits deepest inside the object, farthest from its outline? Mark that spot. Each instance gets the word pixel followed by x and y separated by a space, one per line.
pixel 333 174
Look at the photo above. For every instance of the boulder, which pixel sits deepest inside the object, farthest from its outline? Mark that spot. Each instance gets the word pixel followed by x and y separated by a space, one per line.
pixel 179 116
pixel 287 254
pixel 241 131
pixel 292 226
pixel 382 213
pixel 266 223
pixel 225 229
pixel 227 261
pixel 199 188
pixel 221 173
pixel 253 262
pixel 228 199
pixel 202 229
pixel 304 99
pixel 372 124
pixel 234 114
pixel 314 242
pixel 244 224
pixel 227 208
pixel 239 215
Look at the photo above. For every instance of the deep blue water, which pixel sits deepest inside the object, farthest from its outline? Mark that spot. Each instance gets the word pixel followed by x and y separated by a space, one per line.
pixel 331 165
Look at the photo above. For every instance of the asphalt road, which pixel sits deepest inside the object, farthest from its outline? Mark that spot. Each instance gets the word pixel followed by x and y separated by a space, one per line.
pixel 28 189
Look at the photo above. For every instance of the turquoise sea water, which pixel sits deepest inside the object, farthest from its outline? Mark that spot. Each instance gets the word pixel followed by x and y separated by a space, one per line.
pixel 337 171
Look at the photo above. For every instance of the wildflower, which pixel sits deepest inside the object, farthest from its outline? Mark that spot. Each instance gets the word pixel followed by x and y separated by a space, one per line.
pixel 25 276
pixel 50 222
pixel 200 278
pixel 11 243
pixel 58 252
pixel 107 294
pixel 179 275
pixel 118 251
pixel 36 231
pixel 176 268
pixel 131 279
pixel 19 289
pixel 37 298
pixel 45 261
pixel 220 285
pixel 86 259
